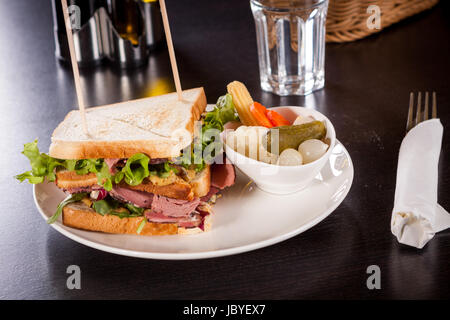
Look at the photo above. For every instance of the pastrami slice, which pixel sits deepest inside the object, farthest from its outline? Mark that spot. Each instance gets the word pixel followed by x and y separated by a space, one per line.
pixel 173 207
pixel 222 175
pixel 138 198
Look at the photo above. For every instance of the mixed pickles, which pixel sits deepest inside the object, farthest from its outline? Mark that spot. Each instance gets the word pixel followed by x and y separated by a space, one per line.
pixel 278 139
pixel 268 136
pixel 286 145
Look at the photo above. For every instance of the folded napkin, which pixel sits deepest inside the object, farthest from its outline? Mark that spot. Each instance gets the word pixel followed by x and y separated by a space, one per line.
pixel 417 216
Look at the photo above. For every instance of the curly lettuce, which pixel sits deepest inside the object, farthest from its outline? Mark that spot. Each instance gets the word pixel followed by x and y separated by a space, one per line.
pixel 138 168
pixel 43 167
pixel 223 112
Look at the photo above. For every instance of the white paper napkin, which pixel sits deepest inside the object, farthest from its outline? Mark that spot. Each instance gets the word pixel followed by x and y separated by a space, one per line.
pixel 417 216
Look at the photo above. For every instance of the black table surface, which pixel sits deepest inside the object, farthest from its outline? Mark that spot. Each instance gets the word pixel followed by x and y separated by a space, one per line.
pixel 366 96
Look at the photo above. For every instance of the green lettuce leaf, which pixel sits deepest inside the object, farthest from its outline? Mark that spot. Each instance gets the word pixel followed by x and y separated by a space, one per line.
pixel 102 207
pixel 52 164
pixel 104 177
pixel 223 112
pixel 38 161
pixel 73 198
pixel 118 177
pixel 162 170
pixel 71 165
pixel 31 178
pixel 133 209
pixel 136 169
pixel 110 206
pixel 41 165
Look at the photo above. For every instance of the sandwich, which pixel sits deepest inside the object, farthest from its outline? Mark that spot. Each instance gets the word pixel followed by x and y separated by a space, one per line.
pixel 138 169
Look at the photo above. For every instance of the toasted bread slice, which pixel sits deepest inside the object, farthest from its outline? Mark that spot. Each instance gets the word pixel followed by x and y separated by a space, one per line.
pixel 79 215
pixel 158 126
pixel 201 182
pixel 178 189
pixel 70 179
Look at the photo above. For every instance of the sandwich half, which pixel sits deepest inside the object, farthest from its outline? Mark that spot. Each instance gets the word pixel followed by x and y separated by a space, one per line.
pixel 129 174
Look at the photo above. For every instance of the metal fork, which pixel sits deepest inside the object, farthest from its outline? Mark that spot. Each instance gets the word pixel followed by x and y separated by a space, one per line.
pixel 420 115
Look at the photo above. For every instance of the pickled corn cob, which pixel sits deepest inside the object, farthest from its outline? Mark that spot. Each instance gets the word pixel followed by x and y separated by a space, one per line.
pixel 242 101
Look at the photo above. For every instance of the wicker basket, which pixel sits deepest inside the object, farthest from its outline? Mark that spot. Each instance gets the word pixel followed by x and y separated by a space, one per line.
pixel 347 19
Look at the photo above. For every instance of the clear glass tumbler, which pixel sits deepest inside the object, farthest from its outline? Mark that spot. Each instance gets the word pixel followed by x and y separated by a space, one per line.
pixel 291 44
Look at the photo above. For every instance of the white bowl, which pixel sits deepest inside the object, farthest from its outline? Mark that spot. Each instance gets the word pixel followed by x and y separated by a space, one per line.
pixel 284 179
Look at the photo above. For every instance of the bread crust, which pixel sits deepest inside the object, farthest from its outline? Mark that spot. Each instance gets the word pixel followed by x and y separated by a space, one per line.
pixel 177 190
pixel 202 182
pixel 113 149
pixel 70 179
pixel 95 149
pixel 80 216
pixel 207 223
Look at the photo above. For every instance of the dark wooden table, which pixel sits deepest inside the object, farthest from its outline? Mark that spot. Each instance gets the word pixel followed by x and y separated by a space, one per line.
pixel 366 96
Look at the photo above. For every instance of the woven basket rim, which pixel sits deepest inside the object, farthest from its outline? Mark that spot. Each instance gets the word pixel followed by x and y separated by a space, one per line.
pixel 344 24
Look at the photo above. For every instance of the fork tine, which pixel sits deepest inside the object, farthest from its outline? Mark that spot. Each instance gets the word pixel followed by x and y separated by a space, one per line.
pixel 409 122
pixel 434 112
pixel 425 111
pixel 419 99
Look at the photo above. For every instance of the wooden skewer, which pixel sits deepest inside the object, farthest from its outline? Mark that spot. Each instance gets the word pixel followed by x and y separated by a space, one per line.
pixel 173 61
pixel 76 73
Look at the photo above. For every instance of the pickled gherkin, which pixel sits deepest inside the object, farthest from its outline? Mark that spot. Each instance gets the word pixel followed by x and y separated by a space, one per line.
pixel 292 136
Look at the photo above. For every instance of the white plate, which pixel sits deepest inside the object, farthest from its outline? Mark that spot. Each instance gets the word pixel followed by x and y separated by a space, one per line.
pixel 245 218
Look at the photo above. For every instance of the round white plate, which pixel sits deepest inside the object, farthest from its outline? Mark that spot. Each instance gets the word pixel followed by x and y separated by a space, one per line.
pixel 245 217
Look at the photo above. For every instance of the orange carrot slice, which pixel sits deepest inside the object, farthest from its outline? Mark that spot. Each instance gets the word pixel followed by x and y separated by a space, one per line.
pixel 258 112
pixel 276 119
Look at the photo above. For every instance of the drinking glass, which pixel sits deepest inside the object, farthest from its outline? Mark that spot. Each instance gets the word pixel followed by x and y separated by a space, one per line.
pixel 291 44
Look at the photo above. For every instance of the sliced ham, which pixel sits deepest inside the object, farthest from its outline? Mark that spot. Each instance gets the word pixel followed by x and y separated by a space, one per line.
pixel 160 204
pixel 112 164
pixel 158 160
pixel 173 207
pixel 138 198
pixel 190 221
pixel 212 191
pixel 222 175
